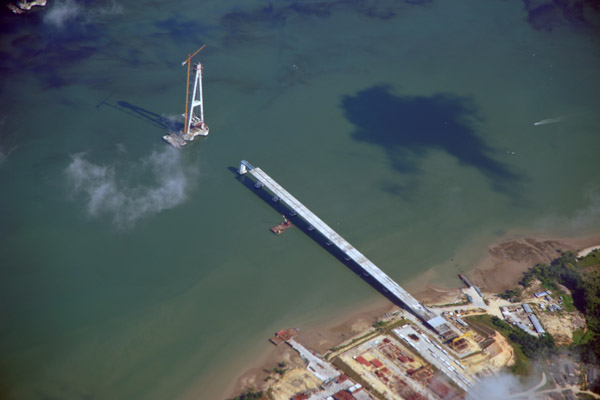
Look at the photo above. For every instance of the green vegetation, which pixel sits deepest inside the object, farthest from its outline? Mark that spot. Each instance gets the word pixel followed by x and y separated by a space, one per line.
pixel 585 396
pixel 523 366
pixel 581 337
pixel 400 322
pixel 380 324
pixel 591 260
pixel 387 326
pixel 568 304
pixel 530 345
pixel 585 289
pixel 279 369
pixel 512 294
pixel 250 394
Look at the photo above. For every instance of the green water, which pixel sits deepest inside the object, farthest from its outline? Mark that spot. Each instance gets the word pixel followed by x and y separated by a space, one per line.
pixel 132 271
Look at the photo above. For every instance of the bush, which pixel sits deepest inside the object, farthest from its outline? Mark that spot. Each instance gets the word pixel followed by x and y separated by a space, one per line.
pixel 250 394
pixel 530 345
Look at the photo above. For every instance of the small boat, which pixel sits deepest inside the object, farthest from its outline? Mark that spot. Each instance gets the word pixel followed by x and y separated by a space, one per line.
pixel 282 227
pixel 293 213
pixel 275 199
pixel 258 184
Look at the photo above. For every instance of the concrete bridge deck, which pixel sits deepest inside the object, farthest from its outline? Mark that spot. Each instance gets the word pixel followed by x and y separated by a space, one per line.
pixel 350 252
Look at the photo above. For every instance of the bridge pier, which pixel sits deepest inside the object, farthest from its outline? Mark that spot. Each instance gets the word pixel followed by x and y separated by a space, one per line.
pixel 349 253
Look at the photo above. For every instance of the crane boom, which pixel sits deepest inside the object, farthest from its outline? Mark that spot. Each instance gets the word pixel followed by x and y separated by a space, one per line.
pixel 192 56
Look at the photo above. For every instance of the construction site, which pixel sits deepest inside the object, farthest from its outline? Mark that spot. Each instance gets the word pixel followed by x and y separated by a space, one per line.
pixel 417 352
pixel 420 358
pixel 397 358
pixel 394 371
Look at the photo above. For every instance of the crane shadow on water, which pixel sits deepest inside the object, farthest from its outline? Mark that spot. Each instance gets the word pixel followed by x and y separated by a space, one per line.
pixel 150 117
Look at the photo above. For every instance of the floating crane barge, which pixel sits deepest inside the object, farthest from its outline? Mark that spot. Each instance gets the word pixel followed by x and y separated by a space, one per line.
pixel 433 319
pixel 282 227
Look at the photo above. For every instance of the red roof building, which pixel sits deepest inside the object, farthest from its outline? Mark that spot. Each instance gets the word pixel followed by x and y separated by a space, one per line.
pixel 441 389
pixel 377 363
pixel 364 362
pixel 343 395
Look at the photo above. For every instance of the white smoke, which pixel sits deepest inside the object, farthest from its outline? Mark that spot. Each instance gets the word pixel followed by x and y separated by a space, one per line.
pixel 63 11
pixel 107 195
pixel 504 386
pixel 495 387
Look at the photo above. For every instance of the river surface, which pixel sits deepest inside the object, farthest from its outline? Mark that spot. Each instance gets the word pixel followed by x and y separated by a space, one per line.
pixel 130 270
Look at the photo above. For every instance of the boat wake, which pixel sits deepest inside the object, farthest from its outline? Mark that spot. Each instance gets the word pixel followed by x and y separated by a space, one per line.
pixel 548 121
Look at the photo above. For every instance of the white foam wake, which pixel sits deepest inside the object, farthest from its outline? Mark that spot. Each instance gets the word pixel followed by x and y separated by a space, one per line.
pixel 548 121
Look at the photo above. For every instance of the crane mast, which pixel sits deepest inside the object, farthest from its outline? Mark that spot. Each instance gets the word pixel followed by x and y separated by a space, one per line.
pixel 188 112
pixel 194 124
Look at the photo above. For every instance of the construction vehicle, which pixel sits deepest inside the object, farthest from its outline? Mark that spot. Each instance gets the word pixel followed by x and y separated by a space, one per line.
pixel 461 337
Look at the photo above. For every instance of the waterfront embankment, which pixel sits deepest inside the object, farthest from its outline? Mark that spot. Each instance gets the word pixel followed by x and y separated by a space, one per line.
pixel 501 268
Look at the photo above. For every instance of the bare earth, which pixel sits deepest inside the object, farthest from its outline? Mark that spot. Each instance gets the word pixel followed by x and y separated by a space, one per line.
pixel 499 270
pixel 506 261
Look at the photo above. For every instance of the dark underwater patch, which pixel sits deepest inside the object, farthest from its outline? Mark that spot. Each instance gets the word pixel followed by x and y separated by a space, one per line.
pixel 547 15
pixel 276 16
pixel 182 29
pixel 408 127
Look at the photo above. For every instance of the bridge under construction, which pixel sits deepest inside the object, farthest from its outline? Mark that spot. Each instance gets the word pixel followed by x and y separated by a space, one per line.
pixel 436 321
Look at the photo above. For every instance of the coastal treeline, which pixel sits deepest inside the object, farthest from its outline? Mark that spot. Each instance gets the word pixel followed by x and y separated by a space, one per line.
pixel 582 278
pixel 526 346
pixel 530 345
pixel 250 394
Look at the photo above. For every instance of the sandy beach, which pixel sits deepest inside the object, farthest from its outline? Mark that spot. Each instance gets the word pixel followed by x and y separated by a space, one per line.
pixel 500 269
pixel 588 250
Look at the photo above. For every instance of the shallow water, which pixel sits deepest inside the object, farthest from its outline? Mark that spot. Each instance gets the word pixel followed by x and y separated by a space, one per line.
pixel 132 271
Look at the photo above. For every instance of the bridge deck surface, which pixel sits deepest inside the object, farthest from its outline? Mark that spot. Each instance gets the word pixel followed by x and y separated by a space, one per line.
pixel 349 250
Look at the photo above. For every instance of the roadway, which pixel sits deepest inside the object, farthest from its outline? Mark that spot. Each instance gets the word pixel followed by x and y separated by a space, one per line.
pixel 436 355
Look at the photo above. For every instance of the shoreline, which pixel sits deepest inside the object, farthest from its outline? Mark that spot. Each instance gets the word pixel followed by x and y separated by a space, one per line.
pixel 588 250
pixel 499 268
